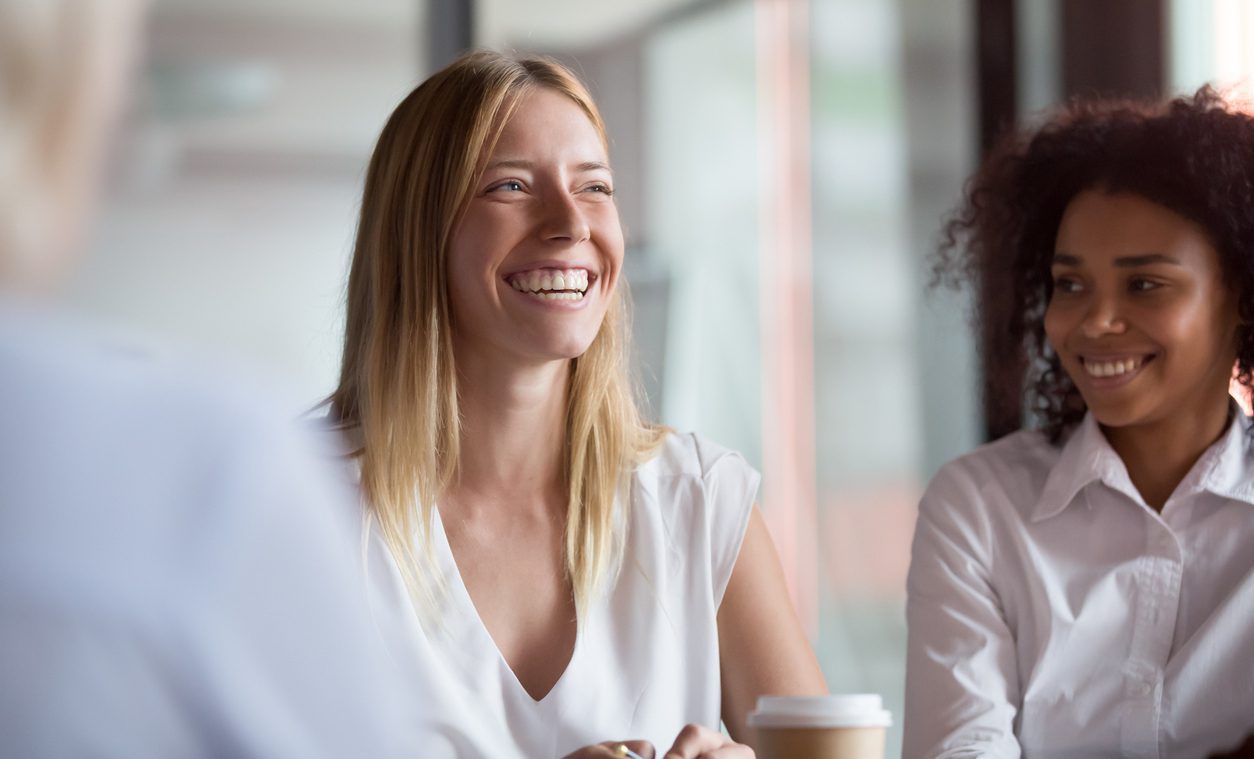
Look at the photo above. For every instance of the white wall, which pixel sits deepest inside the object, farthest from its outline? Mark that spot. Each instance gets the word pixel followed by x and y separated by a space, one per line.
pixel 247 269
pixel 227 227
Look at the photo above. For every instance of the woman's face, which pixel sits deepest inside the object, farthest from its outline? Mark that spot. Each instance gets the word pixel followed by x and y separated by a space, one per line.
pixel 1140 315
pixel 534 261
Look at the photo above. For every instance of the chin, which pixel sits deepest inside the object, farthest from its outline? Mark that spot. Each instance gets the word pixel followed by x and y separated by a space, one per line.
pixel 1118 417
pixel 574 352
pixel 572 345
pixel 563 350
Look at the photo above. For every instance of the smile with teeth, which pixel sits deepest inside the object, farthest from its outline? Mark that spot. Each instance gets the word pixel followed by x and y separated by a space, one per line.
pixel 1114 368
pixel 552 284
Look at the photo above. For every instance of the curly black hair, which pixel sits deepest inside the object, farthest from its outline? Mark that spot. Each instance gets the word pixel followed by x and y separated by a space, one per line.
pixel 1193 155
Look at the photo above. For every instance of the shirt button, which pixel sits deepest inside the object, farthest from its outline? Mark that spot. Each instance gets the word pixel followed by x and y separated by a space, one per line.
pixel 1144 688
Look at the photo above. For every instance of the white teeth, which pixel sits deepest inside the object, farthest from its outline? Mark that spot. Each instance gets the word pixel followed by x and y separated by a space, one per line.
pixel 1111 368
pixel 538 281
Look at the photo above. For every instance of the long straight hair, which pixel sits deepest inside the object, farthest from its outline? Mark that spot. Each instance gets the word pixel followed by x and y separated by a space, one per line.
pixel 398 384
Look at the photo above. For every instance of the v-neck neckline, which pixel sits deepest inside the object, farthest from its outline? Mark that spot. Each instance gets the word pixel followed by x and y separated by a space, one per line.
pixel 464 599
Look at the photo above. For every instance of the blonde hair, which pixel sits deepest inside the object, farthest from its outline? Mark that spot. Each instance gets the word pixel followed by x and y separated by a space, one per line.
pixel 398 384
pixel 60 66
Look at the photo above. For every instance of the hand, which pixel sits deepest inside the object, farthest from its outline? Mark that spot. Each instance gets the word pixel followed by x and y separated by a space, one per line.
pixel 611 749
pixel 697 742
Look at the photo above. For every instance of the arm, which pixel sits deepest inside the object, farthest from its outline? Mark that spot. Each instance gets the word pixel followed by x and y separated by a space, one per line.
pixel 763 649
pixel 962 683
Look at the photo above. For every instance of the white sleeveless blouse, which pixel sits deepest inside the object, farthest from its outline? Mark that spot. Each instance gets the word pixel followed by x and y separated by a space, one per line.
pixel 646 656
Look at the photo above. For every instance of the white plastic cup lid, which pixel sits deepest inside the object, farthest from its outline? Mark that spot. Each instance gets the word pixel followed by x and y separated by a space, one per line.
pixel 850 710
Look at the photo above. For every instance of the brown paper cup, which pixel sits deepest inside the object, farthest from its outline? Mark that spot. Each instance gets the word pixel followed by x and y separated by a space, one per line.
pixel 820 727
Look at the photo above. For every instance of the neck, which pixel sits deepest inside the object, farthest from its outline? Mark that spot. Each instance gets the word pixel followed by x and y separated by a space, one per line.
pixel 1159 455
pixel 513 432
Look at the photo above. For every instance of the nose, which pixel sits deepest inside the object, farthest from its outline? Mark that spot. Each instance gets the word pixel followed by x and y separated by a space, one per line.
pixel 1103 318
pixel 564 220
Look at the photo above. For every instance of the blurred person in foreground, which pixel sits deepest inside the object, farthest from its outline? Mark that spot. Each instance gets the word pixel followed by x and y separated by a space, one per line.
pixel 582 579
pixel 1085 587
pixel 177 579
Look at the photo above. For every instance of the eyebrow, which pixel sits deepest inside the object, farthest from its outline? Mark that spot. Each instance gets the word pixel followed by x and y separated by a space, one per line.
pixel 518 163
pixel 1123 262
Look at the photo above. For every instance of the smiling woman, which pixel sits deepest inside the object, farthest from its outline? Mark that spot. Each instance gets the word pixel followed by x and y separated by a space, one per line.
pixel 1084 588
pixel 1143 322
pixel 534 263
pixel 560 570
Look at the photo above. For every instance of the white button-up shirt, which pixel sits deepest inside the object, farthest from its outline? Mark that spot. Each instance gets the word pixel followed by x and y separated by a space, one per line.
pixel 1053 613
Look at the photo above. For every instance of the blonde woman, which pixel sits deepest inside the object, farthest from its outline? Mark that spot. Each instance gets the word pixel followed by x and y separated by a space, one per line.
pixel 541 556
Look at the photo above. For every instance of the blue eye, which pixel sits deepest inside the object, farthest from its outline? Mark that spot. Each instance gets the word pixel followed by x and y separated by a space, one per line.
pixel 510 185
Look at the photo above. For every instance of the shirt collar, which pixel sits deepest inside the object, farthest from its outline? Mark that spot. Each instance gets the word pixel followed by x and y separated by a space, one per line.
pixel 1225 469
pixel 1086 457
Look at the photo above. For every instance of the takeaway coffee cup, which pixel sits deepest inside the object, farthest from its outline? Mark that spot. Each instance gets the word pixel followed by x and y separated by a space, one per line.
pixel 820 727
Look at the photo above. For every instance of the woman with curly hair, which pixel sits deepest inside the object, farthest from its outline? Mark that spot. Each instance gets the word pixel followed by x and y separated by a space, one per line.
pixel 1083 587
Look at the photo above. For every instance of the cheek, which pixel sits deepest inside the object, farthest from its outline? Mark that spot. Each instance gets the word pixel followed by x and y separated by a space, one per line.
pixel 1227 322
pixel 456 274
pixel 614 240
pixel 471 255
pixel 1196 325
pixel 465 280
pixel 597 326
pixel 610 238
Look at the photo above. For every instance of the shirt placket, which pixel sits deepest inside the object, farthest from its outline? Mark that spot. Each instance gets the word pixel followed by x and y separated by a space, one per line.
pixel 1157 599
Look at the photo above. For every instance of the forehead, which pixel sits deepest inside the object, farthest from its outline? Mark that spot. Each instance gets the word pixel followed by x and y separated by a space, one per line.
pixel 1096 225
pixel 547 123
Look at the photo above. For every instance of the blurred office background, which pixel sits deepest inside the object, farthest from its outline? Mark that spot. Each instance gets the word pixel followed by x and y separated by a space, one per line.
pixel 783 167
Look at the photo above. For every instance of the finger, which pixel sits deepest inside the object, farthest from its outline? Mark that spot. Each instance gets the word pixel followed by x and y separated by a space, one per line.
pixel 604 750
pixel 695 740
pixel 641 749
pixel 599 751
pixel 729 751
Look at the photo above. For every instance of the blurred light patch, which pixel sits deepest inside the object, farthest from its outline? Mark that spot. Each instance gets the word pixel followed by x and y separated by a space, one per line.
pixel 191 90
